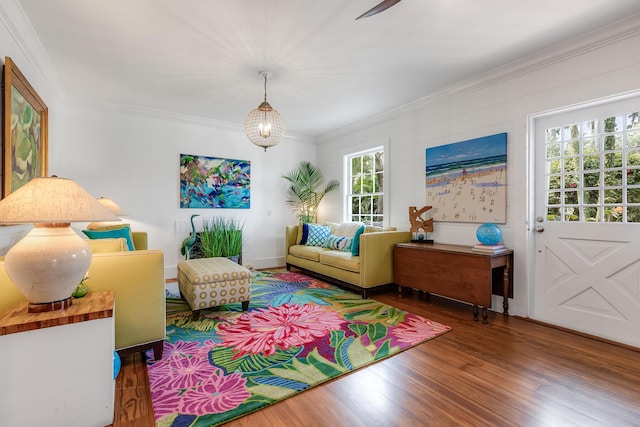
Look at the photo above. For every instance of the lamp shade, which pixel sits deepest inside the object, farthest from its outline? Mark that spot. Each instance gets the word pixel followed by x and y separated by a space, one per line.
pixel 112 206
pixel 264 126
pixel 52 200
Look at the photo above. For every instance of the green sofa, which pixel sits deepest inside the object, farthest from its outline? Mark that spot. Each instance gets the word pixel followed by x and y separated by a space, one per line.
pixel 136 277
pixel 371 268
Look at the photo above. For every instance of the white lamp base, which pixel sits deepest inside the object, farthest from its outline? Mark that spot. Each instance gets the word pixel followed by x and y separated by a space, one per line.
pixel 47 265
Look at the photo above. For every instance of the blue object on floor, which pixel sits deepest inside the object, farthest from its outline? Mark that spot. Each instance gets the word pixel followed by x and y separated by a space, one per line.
pixel 116 364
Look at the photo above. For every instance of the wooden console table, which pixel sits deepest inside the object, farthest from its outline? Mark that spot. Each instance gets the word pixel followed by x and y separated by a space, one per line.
pixel 453 271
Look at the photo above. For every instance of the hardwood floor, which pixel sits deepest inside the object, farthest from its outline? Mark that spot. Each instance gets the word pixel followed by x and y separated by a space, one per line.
pixel 511 372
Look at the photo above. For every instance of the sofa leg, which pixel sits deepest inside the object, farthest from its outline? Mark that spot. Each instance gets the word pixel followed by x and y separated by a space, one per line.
pixel 288 267
pixel 195 315
pixel 158 348
pixel 245 305
pixel 365 294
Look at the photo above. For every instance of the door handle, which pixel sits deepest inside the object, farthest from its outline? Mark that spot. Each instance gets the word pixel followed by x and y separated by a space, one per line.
pixel 539 229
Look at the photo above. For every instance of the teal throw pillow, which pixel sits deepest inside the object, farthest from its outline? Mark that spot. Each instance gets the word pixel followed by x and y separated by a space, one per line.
pixel 318 235
pixel 355 244
pixel 112 234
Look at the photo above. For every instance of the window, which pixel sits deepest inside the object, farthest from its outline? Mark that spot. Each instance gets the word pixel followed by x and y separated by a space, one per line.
pixel 366 187
pixel 592 170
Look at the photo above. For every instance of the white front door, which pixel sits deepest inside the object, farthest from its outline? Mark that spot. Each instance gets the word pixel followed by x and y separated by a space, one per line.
pixel 587 220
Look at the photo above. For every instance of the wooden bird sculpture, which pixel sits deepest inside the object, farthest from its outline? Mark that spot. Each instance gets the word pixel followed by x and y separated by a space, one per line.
pixel 187 244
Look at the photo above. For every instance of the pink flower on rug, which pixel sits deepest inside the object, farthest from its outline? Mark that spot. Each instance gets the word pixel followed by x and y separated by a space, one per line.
pixel 415 329
pixel 263 331
pixel 179 349
pixel 165 402
pixel 219 393
pixel 188 372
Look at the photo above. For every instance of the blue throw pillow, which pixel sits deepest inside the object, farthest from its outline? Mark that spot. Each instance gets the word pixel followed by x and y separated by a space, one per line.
pixel 318 235
pixel 355 243
pixel 112 234
pixel 305 234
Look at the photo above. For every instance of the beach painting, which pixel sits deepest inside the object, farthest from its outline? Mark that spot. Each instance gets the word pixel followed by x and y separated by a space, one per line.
pixel 213 182
pixel 467 181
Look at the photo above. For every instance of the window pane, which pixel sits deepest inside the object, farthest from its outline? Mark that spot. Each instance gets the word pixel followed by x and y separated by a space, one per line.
pixel 613 160
pixel 591 197
pixel 613 123
pixel 633 158
pixel 590 127
pixel 356 187
pixel 633 195
pixel 591 162
pixel 570 132
pixel 365 205
pixel 591 214
pixel 572 147
pixel 553 135
pixel 633 139
pixel 367 164
pixel 553 150
pixel 613 195
pixel 571 181
pixel 379 161
pixel 633 177
pixel 553 182
pixel 572 164
pixel 613 142
pixel 570 197
pixel 590 145
pixel 553 214
pixel 553 198
pixel 571 214
pixel 633 214
pixel 355 205
pixel 613 178
pixel 356 167
pixel 613 213
pixel 591 179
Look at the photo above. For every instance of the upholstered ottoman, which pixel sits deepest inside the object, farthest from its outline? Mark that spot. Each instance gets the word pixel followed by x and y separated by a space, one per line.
pixel 212 282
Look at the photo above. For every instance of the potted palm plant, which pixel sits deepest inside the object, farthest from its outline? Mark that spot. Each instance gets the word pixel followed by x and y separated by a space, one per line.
pixel 306 190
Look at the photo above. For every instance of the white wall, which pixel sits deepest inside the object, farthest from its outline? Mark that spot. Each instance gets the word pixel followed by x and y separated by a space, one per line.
pixel 499 102
pixel 132 157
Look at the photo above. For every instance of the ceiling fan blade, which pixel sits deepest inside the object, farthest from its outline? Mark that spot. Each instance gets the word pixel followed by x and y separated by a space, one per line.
pixel 386 4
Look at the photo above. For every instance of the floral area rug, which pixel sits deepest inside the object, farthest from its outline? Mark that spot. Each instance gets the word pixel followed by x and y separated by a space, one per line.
pixel 298 332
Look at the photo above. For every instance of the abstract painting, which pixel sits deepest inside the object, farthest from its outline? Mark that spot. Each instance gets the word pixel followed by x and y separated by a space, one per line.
pixel 213 182
pixel 25 131
pixel 466 181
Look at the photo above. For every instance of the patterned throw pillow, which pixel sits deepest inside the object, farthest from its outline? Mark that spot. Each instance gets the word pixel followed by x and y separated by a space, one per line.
pixel 340 243
pixel 318 235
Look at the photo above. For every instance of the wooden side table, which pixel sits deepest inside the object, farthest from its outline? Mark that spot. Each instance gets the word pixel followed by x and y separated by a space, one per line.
pixel 453 271
pixel 56 368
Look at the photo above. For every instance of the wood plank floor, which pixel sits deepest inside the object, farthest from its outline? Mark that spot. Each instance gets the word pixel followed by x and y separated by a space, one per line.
pixel 511 372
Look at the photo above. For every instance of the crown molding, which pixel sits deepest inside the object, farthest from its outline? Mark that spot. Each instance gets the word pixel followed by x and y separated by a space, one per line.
pixel 15 20
pixel 587 42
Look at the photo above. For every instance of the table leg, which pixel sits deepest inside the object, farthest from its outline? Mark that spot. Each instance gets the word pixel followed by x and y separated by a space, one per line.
pixel 399 291
pixel 485 315
pixel 505 287
pixel 475 312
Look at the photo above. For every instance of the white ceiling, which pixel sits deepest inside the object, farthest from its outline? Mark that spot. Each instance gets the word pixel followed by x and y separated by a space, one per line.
pixel 202 57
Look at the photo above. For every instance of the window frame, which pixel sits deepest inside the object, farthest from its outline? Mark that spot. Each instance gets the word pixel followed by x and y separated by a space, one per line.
pixel 376 146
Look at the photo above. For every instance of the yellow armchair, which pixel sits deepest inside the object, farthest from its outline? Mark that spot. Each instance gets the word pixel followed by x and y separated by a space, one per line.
pixel 136 277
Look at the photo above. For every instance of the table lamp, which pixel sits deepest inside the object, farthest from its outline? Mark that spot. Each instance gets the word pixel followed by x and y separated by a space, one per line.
pixel 49 262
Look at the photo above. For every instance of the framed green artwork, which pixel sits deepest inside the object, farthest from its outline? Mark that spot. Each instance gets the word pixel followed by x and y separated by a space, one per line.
pixel 25 121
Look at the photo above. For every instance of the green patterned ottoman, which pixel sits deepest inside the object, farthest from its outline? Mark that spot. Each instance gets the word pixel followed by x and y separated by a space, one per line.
pixel 212 282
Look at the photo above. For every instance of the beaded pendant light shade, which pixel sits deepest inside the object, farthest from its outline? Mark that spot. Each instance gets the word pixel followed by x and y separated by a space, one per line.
pixel 264 126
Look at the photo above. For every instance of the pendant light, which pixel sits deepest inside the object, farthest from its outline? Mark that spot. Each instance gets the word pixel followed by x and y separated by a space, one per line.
pixel 264 126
